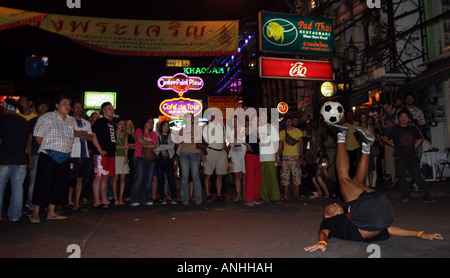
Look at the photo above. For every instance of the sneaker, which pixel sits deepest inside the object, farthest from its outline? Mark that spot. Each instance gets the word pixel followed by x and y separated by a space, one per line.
pixel 198 202
pixel 339 128
pixel 365 135
pixel 173 202
pixel 257 202
pixel 14 219
pixel 427 198
pixel 164 201
pixel 134 204
pixel 149 203
pixel 186 203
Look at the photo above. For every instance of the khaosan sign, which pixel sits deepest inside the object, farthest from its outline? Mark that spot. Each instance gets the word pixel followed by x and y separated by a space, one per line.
pixel 180 83
pixel 295 69
pixel 177 107
pixel 288 33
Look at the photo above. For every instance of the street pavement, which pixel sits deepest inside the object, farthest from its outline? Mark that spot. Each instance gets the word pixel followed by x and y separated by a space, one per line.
pixel 221 230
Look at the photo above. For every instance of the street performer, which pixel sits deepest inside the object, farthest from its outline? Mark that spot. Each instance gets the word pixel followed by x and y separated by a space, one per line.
pixel 366 215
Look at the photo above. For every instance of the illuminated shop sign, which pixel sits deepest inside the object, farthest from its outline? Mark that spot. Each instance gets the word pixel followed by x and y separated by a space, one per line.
pixel 205 70
pixel 328 89
pixel 289 33
pixel 94 100
pixel 178 63
pixel 295 69
pixel 283 107
pixel 177 107
pixel 180 83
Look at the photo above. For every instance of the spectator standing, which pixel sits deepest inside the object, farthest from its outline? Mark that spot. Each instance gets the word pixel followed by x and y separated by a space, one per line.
pixel 13 157
pixel 42 107
pixel 80 162
pixel 352 142
pixel 364 122
pixel 388 123
pixel 268 146
pixel 165 163
pixel 26 108
pixel 405 139
pixel 129 180
pixel 291 148
pixel 190 158
pixel 236 152
pixel 54 133
pixel 216 157
pixel 145 138
pixel 418 119
pixel 252 163
pixel 104 155
pixel 122 169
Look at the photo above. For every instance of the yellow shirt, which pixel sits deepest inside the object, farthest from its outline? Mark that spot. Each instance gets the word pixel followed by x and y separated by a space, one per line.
pixel 288 149
pixel 352 143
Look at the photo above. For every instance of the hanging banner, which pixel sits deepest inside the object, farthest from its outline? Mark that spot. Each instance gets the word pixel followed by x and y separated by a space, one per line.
pixel 137 37
pixel 295 69
pixel 11 18
pixel 296 34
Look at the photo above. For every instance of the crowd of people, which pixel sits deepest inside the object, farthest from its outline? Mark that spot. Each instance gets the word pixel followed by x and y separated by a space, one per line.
pixel 59 158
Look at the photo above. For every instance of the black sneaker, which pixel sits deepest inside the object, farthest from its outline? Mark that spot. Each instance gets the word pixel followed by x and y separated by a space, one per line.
pixel 427 198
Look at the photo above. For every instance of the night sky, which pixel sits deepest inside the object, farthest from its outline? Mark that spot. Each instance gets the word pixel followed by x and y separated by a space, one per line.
pixel 74 69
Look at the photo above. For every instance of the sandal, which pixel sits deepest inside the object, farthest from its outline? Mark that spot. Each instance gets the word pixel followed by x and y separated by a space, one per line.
pixel 35 220
pixel 55 217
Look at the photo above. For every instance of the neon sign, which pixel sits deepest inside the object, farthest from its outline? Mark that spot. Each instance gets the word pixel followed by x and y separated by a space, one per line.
pixel 177 107
pixel 180 83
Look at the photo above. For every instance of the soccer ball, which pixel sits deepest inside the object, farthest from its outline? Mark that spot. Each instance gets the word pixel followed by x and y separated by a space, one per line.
pixel 332 112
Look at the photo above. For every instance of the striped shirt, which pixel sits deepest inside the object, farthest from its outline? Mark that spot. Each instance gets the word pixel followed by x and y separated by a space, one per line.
pixel 57 133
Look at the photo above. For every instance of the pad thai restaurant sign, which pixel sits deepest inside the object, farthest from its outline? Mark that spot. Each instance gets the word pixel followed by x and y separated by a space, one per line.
pixel 289 33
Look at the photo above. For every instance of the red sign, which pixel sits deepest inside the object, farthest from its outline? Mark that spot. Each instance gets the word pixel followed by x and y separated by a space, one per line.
pixel 295 69
pixel 283 107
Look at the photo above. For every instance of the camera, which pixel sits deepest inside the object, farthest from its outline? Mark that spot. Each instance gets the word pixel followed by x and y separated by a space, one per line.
pixel 324 164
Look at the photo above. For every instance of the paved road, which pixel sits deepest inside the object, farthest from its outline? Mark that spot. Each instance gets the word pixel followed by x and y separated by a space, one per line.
pixel 220 230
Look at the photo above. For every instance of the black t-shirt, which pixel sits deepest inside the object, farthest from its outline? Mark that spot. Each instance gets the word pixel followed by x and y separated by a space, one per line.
pixel 250 139
pixel 341 227
pixel 404 139
pixel 104 129
pixel 14 137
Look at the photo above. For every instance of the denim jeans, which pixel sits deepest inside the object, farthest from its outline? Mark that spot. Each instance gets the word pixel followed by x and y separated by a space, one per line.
pixel 144 173
pixel 32 178
pixel 165 172
pixel 15 173
pixel 190 162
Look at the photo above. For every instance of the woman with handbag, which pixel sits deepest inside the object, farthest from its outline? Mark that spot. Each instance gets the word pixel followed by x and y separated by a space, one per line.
pixel 55 136
pixel 144 162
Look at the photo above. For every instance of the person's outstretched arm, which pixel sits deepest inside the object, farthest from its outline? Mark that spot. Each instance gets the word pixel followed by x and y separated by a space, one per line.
pixel 322 244
pixel 398 231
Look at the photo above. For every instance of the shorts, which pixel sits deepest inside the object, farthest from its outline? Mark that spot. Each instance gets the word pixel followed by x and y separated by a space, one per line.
pixel 216 160
pixel 372 211
pixel 238 162
pixel 120 167
pixel 104 166
pixel 290 166
pixel 80 167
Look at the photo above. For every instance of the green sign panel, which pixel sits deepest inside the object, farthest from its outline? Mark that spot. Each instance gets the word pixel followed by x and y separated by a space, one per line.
pixel 296 34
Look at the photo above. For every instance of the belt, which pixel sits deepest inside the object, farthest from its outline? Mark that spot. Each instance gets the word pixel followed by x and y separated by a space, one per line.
pixel 214 149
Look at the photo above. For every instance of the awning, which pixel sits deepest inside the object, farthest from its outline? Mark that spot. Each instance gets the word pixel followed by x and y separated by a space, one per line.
pixel 438 70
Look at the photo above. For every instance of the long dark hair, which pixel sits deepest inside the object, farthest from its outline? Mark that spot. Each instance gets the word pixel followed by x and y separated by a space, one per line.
pixel 145 121
pixel 161 124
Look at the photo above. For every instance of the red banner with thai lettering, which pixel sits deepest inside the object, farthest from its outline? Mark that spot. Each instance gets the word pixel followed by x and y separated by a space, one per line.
pixel 295 69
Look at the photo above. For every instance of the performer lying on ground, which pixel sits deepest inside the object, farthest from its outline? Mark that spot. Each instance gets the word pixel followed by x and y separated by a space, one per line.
pixel 367 215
